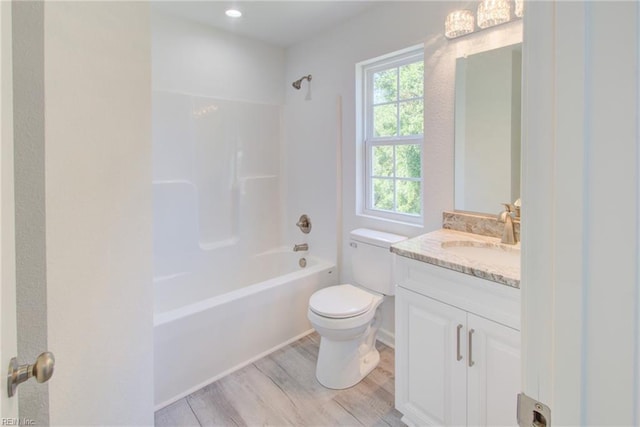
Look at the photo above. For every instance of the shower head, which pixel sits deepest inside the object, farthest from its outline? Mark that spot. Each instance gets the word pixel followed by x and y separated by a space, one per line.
pixel 298 82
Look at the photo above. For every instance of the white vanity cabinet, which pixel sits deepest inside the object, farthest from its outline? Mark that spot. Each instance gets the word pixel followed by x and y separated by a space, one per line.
pixel 457 347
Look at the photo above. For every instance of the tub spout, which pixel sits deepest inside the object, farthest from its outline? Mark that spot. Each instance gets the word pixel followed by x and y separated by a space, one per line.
pixel 301 247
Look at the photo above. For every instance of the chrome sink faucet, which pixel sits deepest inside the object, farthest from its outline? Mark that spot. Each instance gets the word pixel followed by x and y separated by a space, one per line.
pixel 506 216
pixel 301 247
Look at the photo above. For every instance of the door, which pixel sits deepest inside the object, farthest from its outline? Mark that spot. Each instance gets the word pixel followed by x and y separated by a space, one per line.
pixel 8 340
pixel 94 189
pixel 580 275
pixel 431 382
pixel 493 376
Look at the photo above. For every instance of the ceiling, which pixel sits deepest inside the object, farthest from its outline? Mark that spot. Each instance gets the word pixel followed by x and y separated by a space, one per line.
pixel 282 23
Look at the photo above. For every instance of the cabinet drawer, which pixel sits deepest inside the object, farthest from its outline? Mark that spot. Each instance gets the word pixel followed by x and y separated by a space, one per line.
pixel 484 298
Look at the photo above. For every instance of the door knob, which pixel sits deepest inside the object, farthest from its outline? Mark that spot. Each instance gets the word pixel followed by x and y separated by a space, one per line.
pixel 42 370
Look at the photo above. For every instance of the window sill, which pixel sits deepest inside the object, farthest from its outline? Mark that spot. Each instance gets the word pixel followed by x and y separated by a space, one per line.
pixel 416 225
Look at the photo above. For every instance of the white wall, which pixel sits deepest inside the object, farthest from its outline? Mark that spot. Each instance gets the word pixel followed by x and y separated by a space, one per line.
pixel 192 58
pixel 312 126
pixel 313 132
pixel 309 160
pixel 98 212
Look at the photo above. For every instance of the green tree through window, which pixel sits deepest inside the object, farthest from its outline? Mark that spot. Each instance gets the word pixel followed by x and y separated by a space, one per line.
pixel 395 116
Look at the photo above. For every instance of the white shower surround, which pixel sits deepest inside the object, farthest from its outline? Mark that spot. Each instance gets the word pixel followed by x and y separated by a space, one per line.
pixel 224 203
pixel 226 289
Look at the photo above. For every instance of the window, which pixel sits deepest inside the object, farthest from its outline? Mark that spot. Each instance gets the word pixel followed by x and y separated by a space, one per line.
pixel 393 135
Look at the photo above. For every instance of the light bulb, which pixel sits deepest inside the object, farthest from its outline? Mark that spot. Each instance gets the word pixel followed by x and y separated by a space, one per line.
pixel 233 13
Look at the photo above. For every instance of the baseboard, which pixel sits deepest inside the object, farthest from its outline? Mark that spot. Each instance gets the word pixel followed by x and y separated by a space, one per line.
pixel 230 371
pixel 387 338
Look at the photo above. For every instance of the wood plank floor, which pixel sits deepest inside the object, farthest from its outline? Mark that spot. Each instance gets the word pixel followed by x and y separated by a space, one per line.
pixel 281 390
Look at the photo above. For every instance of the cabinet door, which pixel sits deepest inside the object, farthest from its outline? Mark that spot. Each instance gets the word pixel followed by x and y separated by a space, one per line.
pixel 430 381
pixel 494 378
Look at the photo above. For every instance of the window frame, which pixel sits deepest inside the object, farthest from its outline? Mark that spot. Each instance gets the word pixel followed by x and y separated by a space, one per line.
pixel 369 141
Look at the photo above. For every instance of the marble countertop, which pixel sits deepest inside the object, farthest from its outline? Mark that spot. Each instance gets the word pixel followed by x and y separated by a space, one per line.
pixel 499 264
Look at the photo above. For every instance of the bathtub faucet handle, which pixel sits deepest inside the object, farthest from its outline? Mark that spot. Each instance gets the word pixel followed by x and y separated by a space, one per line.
pixel 301 247
pixel 304 223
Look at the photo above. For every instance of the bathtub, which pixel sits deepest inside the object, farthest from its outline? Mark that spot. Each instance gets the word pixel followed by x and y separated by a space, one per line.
pixel 204 330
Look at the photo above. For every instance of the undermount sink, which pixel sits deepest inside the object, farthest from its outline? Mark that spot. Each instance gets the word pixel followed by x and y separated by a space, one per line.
pixel 484 252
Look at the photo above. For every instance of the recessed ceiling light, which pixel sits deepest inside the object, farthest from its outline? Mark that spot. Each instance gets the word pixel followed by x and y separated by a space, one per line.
pixel 233 13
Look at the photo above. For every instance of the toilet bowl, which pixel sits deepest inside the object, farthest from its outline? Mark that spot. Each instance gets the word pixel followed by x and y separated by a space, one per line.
pixel 347 317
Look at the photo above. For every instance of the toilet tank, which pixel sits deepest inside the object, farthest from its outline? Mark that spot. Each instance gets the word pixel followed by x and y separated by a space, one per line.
pixel 371 259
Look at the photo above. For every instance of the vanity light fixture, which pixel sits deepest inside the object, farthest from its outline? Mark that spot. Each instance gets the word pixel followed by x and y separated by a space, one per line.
pixel 493 12
pixel 459 23
pixel 490 13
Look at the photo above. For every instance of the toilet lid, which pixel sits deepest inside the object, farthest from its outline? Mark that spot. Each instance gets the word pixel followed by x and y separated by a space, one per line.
pixel 340 301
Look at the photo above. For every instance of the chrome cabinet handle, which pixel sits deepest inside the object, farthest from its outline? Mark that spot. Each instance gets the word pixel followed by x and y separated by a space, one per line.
pixel 471 362
pixel 458 355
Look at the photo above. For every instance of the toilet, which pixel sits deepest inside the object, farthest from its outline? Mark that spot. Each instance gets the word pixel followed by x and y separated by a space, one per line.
pixel 347 316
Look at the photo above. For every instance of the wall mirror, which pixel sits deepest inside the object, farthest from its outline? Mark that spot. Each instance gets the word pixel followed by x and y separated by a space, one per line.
pixel 487 129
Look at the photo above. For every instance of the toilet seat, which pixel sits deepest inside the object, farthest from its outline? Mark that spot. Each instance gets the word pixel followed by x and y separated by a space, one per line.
pixel 341 301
